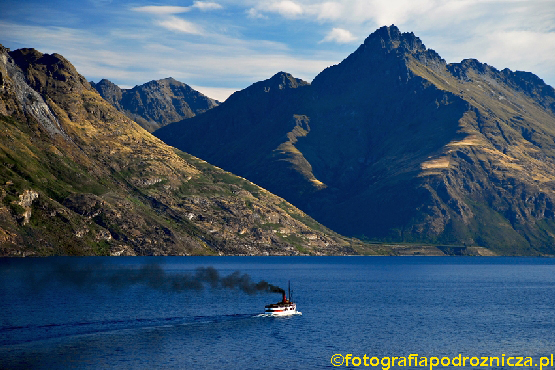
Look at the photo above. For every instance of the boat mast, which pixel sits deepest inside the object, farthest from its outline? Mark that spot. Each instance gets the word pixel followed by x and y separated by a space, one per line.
pixel 290 299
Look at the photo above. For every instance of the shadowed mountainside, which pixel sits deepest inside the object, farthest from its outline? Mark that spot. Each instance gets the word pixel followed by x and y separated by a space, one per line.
pixel 395 145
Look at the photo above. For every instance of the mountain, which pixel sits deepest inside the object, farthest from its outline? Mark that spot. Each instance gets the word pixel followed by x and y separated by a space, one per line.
pixel 78 177
pixel 395 145
pixel 156 103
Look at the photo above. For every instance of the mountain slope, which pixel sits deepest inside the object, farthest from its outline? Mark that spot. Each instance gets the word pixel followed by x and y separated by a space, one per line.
pixel 394 144
pixel 81 178
pixel 156 103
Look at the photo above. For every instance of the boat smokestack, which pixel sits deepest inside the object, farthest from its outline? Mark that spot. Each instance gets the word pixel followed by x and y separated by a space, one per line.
pixel 284 297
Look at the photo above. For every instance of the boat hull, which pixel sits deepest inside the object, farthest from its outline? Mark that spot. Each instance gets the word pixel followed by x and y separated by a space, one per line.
pixel 277 314
pixel 282 313
pixel 281 309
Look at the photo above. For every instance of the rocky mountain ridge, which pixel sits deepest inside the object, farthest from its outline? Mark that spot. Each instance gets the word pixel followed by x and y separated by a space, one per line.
pixel 395 145
pixel 78 177
pixel 156 103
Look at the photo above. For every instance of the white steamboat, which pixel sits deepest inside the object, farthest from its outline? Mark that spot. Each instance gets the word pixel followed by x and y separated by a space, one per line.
pixel 283 308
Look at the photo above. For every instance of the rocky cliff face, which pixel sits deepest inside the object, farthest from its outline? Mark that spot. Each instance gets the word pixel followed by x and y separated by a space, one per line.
pixel 78 177
pixel 156 103
pixel 394 144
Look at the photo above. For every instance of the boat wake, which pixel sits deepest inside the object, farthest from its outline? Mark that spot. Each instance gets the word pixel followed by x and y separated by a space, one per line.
pixel 297 313
pixel 27 334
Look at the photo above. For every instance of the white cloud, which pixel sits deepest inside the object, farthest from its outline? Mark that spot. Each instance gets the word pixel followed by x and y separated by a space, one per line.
pixel 328 10
pixel 398 12
pixel 161 9
pixel 253 13
pixel 286 8
pixel 206 5
pixel 166 19
pixel 339 35
pixel 168 9
pixel 180 25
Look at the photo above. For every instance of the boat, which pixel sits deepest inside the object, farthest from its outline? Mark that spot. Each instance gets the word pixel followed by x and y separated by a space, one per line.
pixel 285 307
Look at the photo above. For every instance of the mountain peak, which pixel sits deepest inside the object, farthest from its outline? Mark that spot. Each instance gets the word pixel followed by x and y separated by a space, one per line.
pixel 46 66
pixel 284 80
pixel 391 38
pixel 279 81
pixel 168 81
pixel 28 56
pixel 104 83
pixel 391 32
pixel 383 55
pixel 156 103
pixel 471 64
pixel 109 91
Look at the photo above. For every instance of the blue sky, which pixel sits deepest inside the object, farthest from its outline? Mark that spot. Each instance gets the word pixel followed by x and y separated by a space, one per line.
pixel 225 45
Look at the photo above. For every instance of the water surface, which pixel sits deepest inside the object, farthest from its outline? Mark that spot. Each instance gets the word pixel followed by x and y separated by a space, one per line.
pixel 379 306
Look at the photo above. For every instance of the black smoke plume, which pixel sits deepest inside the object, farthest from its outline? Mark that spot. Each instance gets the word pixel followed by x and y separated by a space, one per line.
pixel 154 276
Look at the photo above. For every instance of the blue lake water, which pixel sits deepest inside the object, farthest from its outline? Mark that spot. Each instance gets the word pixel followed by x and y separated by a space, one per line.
pixel 378 306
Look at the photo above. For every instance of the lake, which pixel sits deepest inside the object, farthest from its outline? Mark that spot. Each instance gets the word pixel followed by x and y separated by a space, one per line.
pixel 79 312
